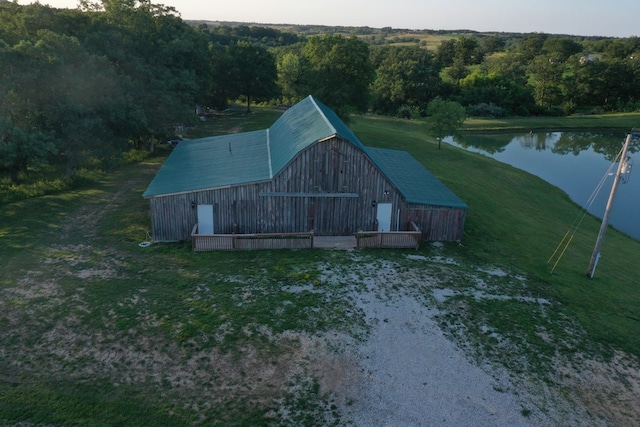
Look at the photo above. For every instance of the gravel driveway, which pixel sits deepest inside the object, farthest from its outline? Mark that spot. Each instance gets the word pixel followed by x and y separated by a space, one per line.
pixel 412 375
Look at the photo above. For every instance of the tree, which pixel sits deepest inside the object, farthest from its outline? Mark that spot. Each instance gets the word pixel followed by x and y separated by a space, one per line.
pixel 444 118
pixel 254 72
pixel 492 44
pixel 545 76
pixel 617 85
pixel 481 88
pixel 405 77
pixel 338 71
pixel 23 140
pixel 164 60
pixel 457 71
pixel 289 72
pixel 531 45
pixel 561 48
pixel 219 89
pixel 620 48
pixel 510 66
pixel 81 96
pixel 467 51
pixel 446 52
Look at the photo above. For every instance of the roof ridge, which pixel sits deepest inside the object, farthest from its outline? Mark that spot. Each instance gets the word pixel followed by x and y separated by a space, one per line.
pixel 326 119
pixel 269 153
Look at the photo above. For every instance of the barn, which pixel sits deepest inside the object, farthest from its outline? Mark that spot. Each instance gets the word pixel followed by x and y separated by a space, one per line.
pixel 307 173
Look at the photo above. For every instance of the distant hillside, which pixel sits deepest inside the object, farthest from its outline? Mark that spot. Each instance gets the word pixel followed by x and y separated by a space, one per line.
pixel 430 39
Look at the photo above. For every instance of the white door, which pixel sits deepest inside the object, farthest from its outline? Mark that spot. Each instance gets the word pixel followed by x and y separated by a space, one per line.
pixel 384 216
pixel 205 219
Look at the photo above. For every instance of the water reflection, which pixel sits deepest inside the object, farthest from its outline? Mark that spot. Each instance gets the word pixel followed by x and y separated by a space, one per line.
pixel 572 161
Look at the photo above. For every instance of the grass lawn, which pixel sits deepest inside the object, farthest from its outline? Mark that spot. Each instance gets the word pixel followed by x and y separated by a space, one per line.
pixel 624 121
pixel 95 330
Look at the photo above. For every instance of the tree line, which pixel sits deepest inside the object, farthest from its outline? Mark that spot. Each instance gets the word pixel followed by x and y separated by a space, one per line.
pixel 91 83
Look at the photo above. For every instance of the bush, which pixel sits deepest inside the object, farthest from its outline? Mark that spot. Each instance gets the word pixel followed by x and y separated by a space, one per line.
pixel 485 110
pixel 404 112
pixel 409 112
pixel 10 192
pixel 556 111
pixel 135 155
pixel 84 177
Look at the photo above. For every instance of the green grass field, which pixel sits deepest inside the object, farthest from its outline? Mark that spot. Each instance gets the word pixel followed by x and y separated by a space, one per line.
pixel 95 330
pixel 623 121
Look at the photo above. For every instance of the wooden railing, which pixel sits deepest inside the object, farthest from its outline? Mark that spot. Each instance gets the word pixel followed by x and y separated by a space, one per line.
pixel 303 240
pixel 236 242
pixel 389 239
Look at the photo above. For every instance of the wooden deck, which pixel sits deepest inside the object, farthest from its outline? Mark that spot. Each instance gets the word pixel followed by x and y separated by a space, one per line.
pixel 305 240
pixel 238 242
pixel 389 239
pixel 335 242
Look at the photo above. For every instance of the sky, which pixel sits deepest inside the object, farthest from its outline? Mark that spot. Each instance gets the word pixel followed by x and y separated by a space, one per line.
pixel 611 18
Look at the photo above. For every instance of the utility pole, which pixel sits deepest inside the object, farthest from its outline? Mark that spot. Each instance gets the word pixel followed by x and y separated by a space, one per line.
pixel 605 219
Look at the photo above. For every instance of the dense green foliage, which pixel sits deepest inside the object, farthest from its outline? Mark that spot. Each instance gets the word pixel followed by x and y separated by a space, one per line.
pixel 405 78
pixel 338 71
pixel 92 84
pixel 89 84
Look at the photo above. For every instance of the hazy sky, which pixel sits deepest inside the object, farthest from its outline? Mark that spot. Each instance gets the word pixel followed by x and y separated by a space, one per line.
pixel 617 18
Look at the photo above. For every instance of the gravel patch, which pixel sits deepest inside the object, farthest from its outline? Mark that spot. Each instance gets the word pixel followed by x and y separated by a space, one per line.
pixel 410 374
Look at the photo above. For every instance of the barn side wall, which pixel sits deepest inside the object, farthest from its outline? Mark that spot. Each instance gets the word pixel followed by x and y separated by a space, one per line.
pixel 438 224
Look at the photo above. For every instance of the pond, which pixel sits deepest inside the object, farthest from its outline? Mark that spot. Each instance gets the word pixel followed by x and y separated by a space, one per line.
pixel 575 162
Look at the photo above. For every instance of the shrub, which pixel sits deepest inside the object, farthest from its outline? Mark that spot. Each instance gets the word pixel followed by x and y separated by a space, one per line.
pixel 29 188
pixel 556 111
pixel 404 112
pixel 485 110
pixel 408 112
pixel 134 156
pixel 83 177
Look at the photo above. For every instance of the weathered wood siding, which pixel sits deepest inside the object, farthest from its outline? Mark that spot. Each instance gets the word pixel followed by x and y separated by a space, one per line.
pixel 438 224
pixel 172 217
pixel 304 196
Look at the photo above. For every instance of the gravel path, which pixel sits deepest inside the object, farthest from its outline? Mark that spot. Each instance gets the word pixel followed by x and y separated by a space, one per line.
pixel 412 375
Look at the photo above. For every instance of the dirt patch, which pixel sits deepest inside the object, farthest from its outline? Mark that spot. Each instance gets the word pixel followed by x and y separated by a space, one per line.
pixel 33 285
pixel 206 378
pixel 84 261
pixel 608 389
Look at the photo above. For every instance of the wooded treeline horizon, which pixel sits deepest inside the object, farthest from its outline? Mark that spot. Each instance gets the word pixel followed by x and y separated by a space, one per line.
pixel 86 85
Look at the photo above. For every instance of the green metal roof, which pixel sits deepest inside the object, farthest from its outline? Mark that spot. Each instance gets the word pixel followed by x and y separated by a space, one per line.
pixel 198 164
pixel 248 157
pixel 300 126
pixel 416 183
pixel 242 158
